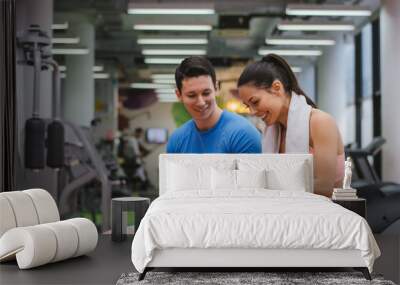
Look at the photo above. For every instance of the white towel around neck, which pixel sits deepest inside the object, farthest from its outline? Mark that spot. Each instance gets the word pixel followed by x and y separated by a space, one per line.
pixel 297 130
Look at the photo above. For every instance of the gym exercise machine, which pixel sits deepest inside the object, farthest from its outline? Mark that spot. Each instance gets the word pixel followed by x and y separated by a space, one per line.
pixel 70 151
pixel 383 198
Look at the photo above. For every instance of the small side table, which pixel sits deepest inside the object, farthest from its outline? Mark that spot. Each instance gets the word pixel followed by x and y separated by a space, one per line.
pixel 138 205
pixel 358 205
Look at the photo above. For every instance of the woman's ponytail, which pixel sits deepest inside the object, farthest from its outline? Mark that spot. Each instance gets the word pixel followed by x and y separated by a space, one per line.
pixel 291 84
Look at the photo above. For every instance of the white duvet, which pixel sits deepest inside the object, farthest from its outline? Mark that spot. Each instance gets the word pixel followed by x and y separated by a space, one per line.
pixel 253 218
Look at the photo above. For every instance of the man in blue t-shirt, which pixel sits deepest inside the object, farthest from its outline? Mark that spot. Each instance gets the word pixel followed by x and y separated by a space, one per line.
pixel 211 129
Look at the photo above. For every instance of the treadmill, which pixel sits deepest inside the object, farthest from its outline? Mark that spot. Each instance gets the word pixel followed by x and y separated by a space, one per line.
pixel 383 198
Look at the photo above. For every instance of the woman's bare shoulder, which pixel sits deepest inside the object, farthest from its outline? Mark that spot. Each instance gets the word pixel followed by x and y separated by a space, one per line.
pixel 323 127
pixel 320 119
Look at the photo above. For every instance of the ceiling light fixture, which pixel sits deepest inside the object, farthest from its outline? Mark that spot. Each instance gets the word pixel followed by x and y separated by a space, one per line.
pixel 166 90
pixel 170 11
pixel 296 69
pixel 61 26
pixel 164 81
pixel 101 75
pixel 150 85
pixel 145 27
pixel 174 52
pixel 290 52
pixel 311 26
pixel 74 40
pixel 171 41
pixel 70 51
pixel 96 68
pixel 167 96
pixel 300 41
pixel 327 10
pixel 163 100
pixel 95 75
pixel 162 60
pixel 163 76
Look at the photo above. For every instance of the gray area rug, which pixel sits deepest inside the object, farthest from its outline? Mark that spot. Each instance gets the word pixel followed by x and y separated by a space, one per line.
pixel 273 278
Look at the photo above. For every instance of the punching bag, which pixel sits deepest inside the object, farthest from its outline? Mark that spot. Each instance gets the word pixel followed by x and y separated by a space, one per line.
pixel 34 143
pixel 55 145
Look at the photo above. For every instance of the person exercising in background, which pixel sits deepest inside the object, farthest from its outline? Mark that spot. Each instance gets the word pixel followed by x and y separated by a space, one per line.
pixel 211 129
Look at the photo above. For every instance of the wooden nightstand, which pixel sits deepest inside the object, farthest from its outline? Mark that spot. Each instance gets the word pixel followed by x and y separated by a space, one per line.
pixel 358 205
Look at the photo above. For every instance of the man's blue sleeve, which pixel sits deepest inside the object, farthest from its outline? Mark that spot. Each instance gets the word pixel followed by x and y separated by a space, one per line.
pixel 171 145
pixel 246 140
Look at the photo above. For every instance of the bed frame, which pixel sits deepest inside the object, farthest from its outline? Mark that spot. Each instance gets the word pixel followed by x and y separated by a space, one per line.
pixel 246 258
pixel 242 259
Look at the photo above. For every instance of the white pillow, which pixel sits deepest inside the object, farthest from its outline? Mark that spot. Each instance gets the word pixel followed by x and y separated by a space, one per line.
pixel 223 179
pixel 293 179
pixel 188 177
pixel 251 178
pixel 282 173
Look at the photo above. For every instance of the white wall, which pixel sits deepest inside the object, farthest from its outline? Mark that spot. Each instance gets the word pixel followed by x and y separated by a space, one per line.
pixel 306 80
pixel 390 63
pixel 367 122
pixel 350 133
pixel 336 81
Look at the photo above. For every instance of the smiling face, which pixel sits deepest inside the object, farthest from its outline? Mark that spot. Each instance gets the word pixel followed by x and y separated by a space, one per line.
pixel 198 96
pixel 268 104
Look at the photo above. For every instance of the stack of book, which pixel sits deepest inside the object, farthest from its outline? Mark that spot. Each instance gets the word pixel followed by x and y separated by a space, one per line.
pixel 344 194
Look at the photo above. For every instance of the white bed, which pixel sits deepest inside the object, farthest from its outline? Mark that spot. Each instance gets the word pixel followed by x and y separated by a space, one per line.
pixel 214 211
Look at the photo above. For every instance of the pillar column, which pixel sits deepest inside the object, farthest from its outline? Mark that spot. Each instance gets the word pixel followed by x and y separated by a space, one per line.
pixel 78 99
pixel 390 62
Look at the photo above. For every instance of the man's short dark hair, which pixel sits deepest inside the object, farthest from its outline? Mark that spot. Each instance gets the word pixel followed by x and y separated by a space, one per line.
pixel 194 66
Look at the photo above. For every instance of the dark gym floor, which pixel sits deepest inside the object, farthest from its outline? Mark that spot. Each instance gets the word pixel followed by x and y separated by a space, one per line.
pixel 102 266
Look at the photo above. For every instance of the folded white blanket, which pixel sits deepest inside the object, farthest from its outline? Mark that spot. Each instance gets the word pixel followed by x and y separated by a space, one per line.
pixel 297 130
pixel 250 219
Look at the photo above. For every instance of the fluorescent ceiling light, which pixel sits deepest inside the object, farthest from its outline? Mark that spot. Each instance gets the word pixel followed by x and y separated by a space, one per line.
pixel 166 96
pixel 174 52
pixel 327 10
pixel 170 11
pixel 74 40
pixel 162 60
pixel 299 41
pixel 167 100
pixel 150 85
pixel 101 75
pixel 164 81
pixel 72 51
pixel 310 26
pixel 296 69
pixel 95 75
pixel 163 76
pixel 145 27
pixel 290 52
pixel 61 26
pixel 165 90
pixel 170 41
pixel 96 68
